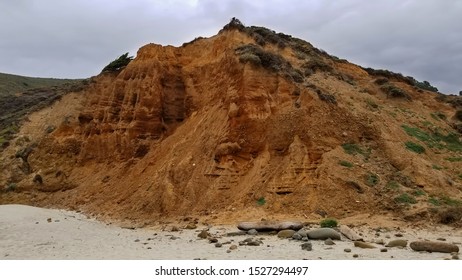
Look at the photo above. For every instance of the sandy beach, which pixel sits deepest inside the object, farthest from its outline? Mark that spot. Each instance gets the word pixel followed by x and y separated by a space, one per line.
pixel 35 233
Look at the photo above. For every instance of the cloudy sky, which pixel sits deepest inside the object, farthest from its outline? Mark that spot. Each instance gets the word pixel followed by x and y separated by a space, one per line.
pixel 77 38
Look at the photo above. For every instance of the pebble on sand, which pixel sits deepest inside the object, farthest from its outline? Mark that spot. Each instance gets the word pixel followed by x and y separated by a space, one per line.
pixel 397 243
pixel 364 245
pixel 433 246
pixel 307 246
pixel 347 250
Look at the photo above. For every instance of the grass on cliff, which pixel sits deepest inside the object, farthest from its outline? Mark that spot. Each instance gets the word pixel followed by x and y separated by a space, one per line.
pixel 435 139
pixel 11 84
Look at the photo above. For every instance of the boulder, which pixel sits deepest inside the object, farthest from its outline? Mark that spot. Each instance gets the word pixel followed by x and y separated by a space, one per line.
pixel 364 245
pixel 286 233
pixel 433 246
pixel 397 243
pixel 323 233
pixel 349 233
pixel 269 225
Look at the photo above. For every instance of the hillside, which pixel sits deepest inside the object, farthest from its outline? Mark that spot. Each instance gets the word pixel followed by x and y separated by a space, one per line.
pixel 249 123
pixel 12 84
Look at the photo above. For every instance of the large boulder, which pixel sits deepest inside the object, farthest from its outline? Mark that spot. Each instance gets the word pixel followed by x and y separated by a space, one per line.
pixel 433 246
pixel 270 225
pixel 323 234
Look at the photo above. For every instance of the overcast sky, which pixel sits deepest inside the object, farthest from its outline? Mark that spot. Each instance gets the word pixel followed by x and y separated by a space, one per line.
pixel 77 38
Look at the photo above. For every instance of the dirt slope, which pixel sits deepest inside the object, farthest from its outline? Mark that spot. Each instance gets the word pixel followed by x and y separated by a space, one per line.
pixel 247 123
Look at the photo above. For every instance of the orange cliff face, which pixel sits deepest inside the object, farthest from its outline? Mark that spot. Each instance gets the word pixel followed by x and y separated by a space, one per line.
pixel 201 129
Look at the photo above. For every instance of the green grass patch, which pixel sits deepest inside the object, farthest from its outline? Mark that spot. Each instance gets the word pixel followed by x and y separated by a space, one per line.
pixel 434 201
pixel 261 201
pixel 414 147
pixel 346 163
pixel 372 179
pixel 405 199
pixel 453 159
pixel 354 149
pixel 450 202
pixel 436 139
pixel 328 223
pixel 438 116
pixel 436 167
pixel 419 193
pixel 392 185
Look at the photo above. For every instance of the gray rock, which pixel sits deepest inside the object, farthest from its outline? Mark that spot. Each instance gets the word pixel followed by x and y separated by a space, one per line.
pixel 347 250
pixel 253 243
pixel 307 246
pixel 323 233
pixel 218 245
pixel 432 246
pixel 270 225
pixel 384 250
pixel 355 255
pixel 305 239
pixel 233 247
pixel 329 241
pixel 303 233
pixel 213 240
pixel 286 233
pixel 252 232
pixel 349 233
pixel 397 243
pixel 297 236
pixel 236 233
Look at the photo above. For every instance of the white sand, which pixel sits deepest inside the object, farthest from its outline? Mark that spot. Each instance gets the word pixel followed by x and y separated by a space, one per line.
pixel 25 233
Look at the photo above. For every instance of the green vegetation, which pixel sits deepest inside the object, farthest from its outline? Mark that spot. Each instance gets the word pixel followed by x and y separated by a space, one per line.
pixel 372 179
pixel 11 187
pixel 354 149
pixel 405 199
pixel 434 201
pixel 418 193
pixel 393 91
pixel 118 63
pixel 345 163
pixel 425 86
pixel 11 84
pixel 392 185
pixel 328 223
pixel 436 167
pixel 438 116
pixel 453 159
pixel 416 148
pixel 436 139
pixel 261 201
pixel 444 201
pixel 371 104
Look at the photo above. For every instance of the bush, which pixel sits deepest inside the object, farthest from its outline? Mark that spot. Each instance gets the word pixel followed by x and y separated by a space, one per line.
pixel 458 115
pixel 425 85
pixel 261 201
pixel 249 57
pixel 406 199
pixel 328 223
pixel 346 163
pixel 119 63
pixel 394 92
pixel 372 179
pixel 416 148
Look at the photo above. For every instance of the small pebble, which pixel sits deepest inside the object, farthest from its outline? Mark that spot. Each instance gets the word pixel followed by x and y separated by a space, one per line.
pixel 347 250
pixel 137 240
pixel 233 247
pixel 383 250
pixel 398 235
pixel 441 239
pixel 218 245
pixel 355 255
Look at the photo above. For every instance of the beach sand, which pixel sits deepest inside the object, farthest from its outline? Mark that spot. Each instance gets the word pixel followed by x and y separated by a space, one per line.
pixel 35 233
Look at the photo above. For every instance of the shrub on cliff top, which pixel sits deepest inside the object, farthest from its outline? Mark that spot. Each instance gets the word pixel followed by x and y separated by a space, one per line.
pixel 118 63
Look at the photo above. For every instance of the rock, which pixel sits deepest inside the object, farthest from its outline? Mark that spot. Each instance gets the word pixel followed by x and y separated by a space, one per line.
pixel 203 234
pixel 49 220
pixel 286 233
pixel 433 246
pixel 455 257
pixel 384 250
pixel 398 235
pixel 303 233
pixel 174 228
pixel 218 245
pixel 213 240
pixel 233 247
pixel 253 243
pixel 252 232
pixel 355 255
pixel 236 233
pixel 397 243
pixel 347 250
pixel 307 246
pixel 173 238
pixel 270 225
pixel 228 251
pixel 305 238
pixel 137 240
pixel 297 236
pixel 349 233
pixel 364 245
pixel 329 241
pixel 441 239
pixel 191 226
pixel 323 233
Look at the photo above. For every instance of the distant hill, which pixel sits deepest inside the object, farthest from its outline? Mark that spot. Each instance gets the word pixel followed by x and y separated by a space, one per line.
pixel 10 84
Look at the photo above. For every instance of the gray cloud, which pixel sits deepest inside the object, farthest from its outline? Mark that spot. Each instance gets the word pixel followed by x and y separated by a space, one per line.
pixel 76 38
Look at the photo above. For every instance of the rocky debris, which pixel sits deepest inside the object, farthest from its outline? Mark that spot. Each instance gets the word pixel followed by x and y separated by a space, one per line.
pixel 384 250
pixel 323 233
pixel 252 232
pixel 174 229
pixel 297 236
pixel 307 246
pixel 347 250
pixel 398 234
pixel 49 220
pixel 434 246
pixel 233 247
pixel 303 233
pixel 203 234
pixel 379 241
pixel 355 255
pixel 286 233
pixel 269 225
pixel 364 245
pixel 349 233
pixel 397 243
pixel 236 233
pixel 191 226
pixel 218 245
pixel 250 242
pixel 455 255
pixel 213 240
pixel 329 241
